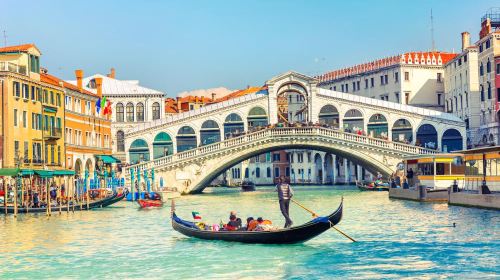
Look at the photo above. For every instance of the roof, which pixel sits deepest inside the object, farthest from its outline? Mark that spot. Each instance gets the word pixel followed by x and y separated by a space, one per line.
pixel 53 80
pixel 239 93
pixel 18 48
pixel 482 150
pixel 112 86
pixel 410 58
pixel 171 106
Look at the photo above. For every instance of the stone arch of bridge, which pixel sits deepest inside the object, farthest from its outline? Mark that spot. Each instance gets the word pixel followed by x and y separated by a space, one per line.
pixel 356 156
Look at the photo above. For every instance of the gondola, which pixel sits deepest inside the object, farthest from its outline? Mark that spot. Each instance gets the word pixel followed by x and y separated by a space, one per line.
pixel 247 186
pixel 94 204
pixel 149 203
pixel 291 235
pixel 363 187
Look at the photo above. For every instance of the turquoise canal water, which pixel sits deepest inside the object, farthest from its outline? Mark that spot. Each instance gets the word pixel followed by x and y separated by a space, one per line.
pixel 396 239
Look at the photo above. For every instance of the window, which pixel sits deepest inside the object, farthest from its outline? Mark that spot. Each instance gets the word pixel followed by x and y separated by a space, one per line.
pixel 33 93
pixel 58 99
pixel 88 107
pixel 16 148
pixel 46 152
pixel 482 92
pixel 386 79
pixel 119 112
pixel 346 88
pixel 25 119
pixel 465 58
pixel 300 157
pixel 467 99
pixel 58 155
pixel 407 76
pixel 140 112
pixel 16 89
pixel 156 111
pixel 381 80
pixel 480 48
pixel 276 157
pixel 268 172
pixel 52 154
pixel 396 95
pixel 488 66
pixel 52 97
pixel 257 172
pixel 372 82
pixel 45 96
pixel 130 112
pixel 335 88
pixel 481 69
pixel 15 117
pixel 489 90
pixel 461 102
pixel 487 43
pixel 407 97
pixel 120 141
pixel 26 91
pixel 276 172
pixel 439 77
pixel 38 94
pixel 357 83
pixel 26 150
pixel 246 173
pixel 342 87
pixel 366 83
pixel 498 69
pixel 396 77
pixel 439 99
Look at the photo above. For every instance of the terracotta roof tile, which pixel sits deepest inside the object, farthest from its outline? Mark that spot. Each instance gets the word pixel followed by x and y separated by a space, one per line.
pixel 53 80
pixel 19 48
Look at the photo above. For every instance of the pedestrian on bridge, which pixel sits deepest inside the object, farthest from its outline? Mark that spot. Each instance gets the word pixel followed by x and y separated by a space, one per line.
pixel 285 194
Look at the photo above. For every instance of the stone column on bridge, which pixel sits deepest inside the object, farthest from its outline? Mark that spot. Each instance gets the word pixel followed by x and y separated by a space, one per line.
pixel 346 171
pixel 360 173
pixel 334 169
pixel 323 177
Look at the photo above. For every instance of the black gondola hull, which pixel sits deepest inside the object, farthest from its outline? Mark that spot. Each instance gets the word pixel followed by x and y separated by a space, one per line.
pixel 296 234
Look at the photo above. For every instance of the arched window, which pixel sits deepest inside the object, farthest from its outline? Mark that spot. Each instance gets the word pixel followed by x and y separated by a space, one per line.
pixel 329 115
pixel 209 132
pixel 353 121
pixel 451 140
pixel 130 112
pixel 378 127
pixel 481 71
pixel 140 112
pixel 186 139
pixel 488 66
pixel 162 145
pixel 120 112
pixel 156 111
pixel 489 90
pixel 139 151
pixel 233 126
pixel 482 92
pixel 120 140
pixel 257 117
pixel 427 136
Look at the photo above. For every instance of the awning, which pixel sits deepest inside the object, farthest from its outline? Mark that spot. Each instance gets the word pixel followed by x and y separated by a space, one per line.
pixel 27 172
pixel 9 172
pixel 108 159
pixel 44 173
pixel 63 172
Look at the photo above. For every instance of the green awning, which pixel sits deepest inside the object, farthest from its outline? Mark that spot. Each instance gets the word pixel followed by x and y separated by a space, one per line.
pixel 63 172
pixel 27 172
pixel 49 110
pixel 9 172
pixel 44 173
pixel 108 159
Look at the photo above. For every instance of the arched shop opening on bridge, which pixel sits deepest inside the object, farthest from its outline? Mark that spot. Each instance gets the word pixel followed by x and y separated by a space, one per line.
pixel 353 121
pixel 138 151
pixel 209 133
pixel 427 136
pixel 186 139
pixel 451 141
pixel 233 126
pixel 257 117
pixel 377 126
pixel 162 145
pixel 402 131
pixel 329 115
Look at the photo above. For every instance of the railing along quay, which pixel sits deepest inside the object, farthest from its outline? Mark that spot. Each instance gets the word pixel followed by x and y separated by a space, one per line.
pixel 278 132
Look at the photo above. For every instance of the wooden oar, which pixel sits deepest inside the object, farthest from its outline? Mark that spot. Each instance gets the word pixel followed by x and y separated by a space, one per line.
pixel 316 215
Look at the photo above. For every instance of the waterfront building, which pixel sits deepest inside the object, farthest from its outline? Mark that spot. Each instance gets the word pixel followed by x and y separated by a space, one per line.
pixel 462 94
pixel 87 132
pixel 32 121
pixel 132 106
pixel 489 78
pixel 412 78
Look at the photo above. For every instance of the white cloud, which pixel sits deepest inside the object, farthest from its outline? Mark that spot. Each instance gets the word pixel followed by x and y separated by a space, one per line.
pixel 219 92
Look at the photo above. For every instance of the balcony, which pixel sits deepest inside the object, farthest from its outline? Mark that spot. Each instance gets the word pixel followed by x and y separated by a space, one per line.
pixel 52 133
pixel 12 67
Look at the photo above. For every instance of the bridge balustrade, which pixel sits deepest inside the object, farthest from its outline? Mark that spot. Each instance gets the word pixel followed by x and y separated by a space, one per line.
pixel 284 131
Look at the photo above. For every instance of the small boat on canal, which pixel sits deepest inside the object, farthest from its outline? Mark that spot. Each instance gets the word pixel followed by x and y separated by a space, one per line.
pixel 247 186
pixel 112 199
pixel 374 186
pixel 291 235
pixel 149 203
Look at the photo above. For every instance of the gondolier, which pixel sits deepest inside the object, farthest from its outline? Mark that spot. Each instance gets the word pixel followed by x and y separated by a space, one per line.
pixel 285 193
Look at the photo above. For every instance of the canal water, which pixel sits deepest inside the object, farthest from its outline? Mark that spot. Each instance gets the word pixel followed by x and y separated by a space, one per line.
pixel 395 239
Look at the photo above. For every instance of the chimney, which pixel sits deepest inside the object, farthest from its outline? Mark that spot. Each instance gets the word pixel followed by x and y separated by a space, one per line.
pixel 465 40
pixel 79 78
pixel 178 104
pixel 112 73
pixel 98 85
pixel 213 96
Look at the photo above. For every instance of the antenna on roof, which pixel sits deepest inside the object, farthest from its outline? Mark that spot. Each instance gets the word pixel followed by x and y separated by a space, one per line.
pixel 432 33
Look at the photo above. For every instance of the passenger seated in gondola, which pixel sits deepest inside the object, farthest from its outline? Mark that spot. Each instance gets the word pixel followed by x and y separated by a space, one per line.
pixel 233 223
pixel 156 196
pixel 251 224
pixel 263 225
pixel 146 195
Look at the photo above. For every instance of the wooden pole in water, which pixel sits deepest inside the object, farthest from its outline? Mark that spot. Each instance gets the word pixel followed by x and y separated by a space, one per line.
pixel 316 215
pixel 5 196
pixel 15 197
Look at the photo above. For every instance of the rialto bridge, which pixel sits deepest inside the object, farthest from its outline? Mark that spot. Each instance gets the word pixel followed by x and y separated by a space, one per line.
pixel 190 149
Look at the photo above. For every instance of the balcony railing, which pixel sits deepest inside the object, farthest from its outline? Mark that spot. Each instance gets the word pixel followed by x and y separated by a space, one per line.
pixel 52 132
pixel 13 67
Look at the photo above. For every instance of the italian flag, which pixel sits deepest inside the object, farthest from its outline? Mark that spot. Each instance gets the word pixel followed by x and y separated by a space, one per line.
pixel 196 215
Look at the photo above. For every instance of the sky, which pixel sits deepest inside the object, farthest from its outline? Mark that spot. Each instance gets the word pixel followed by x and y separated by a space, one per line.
pixel 177 46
